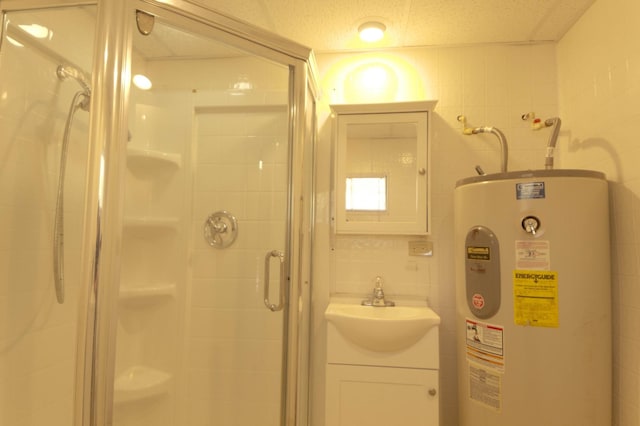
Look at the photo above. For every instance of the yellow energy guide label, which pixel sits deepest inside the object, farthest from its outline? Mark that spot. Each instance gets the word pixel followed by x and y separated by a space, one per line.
pixel 535 298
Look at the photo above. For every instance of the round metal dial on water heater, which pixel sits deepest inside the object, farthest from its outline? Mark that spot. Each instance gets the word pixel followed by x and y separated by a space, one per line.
pixel 531 224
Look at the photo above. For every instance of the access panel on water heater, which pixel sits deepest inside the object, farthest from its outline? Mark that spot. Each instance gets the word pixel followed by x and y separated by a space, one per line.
pixel 482 272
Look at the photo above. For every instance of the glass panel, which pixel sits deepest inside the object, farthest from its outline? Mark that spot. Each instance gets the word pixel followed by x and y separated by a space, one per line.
pixel 381 168
pixel 208 146
pixel 37 103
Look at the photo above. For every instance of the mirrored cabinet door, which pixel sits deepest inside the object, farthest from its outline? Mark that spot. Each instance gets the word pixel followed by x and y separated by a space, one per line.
pixel 382 168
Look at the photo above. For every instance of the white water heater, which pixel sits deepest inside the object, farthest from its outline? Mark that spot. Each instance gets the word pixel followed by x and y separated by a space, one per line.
pixel 533 299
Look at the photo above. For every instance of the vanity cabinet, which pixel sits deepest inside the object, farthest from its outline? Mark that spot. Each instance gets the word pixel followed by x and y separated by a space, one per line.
pixel 381 396
pixel 377 388
pixel 382 168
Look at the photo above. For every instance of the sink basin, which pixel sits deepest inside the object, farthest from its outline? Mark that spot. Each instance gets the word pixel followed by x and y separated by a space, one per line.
pixel 387 329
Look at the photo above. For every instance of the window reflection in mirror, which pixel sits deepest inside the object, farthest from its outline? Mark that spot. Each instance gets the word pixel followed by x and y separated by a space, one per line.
pixel 366 194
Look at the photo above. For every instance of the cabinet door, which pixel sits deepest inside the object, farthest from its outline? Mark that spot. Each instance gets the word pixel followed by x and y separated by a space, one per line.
pixel 381 396
pixel 381 173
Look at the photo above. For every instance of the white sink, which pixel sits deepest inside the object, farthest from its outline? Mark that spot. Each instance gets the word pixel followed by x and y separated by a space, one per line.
pixel 381 329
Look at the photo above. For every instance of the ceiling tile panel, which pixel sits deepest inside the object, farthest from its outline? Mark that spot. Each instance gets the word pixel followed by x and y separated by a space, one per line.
pixel 330 25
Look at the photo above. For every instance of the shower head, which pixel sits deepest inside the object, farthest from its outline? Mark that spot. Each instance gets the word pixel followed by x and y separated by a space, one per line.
pixel 67 71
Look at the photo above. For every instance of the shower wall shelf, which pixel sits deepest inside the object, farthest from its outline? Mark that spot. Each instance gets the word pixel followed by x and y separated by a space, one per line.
pixel 150 294
pixel 138 383
pixel 148 158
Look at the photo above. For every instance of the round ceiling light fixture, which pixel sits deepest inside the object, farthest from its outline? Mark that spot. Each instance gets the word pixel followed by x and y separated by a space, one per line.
pixel 142 82
pixel 371 31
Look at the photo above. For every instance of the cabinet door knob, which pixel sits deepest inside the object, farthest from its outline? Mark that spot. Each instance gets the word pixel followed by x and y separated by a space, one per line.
pixel 432 392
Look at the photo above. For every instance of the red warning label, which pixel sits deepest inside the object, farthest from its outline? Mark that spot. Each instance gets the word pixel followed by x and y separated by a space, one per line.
pixel 478 301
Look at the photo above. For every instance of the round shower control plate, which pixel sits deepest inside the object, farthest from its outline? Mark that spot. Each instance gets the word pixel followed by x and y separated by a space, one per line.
pixel 220 229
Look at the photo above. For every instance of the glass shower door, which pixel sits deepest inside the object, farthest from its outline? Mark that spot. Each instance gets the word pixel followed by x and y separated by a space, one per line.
pixel 45 67
pixel 205 240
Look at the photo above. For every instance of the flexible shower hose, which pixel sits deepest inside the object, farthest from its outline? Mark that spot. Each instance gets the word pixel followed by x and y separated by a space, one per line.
pixel 58 225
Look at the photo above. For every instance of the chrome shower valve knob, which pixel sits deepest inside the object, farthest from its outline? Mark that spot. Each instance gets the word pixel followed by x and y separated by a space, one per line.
pixel 220 229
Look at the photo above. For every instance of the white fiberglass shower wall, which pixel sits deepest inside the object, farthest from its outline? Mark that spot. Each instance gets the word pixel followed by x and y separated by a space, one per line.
pixel 37 334
pixel 177 331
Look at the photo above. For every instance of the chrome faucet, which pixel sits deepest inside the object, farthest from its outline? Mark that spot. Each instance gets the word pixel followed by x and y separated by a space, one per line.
pixel 377 298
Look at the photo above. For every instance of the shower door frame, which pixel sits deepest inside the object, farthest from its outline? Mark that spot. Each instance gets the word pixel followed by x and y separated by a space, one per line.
pixel 111 84
pixel 85 311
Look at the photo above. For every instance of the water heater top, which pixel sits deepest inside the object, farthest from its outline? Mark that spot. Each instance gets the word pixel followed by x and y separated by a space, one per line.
pixel 526 174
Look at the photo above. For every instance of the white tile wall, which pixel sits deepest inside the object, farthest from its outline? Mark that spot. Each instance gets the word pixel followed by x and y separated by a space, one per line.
pixel 599 82
pixel 492 86
pixel 234 347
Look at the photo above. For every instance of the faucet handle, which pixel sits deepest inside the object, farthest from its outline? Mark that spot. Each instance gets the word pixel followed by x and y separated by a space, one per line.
pixel 377 298
pixel 378 292
pixel 378 282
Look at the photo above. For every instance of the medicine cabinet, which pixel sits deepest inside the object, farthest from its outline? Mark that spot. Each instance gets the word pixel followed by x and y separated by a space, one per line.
pixel 381 179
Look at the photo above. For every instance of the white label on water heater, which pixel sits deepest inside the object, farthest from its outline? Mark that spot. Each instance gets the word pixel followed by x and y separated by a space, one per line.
pixel 485 387
pixel 485 344
pixel 529 190
pixel 533 254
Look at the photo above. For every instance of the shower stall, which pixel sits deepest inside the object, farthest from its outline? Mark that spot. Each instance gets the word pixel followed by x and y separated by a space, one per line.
pixel 156 238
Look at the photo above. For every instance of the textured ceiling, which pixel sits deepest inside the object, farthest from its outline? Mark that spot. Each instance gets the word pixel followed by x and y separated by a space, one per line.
pixel 330 25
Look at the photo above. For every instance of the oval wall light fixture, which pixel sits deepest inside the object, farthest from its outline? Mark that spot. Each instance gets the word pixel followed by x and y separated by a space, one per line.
pixel 371 31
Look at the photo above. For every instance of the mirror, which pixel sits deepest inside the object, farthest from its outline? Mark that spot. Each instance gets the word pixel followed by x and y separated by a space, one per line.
pixel 366 193
pixel 382 171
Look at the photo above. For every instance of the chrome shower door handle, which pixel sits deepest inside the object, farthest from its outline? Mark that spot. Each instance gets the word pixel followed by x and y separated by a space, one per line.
pixel 267 270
